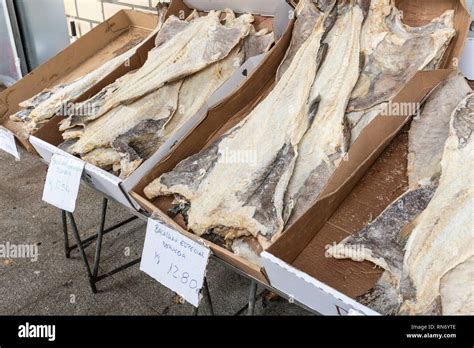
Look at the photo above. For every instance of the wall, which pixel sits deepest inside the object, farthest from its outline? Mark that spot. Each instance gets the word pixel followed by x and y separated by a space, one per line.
pixel 85 14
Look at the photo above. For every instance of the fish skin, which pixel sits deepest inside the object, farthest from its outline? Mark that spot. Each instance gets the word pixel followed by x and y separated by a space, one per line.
pixel 326 142
pixel 224 209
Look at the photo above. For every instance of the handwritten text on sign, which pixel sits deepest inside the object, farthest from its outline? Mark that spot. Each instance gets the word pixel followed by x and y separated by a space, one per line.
pixel 7 143
pixel 63 181
pixel 174 260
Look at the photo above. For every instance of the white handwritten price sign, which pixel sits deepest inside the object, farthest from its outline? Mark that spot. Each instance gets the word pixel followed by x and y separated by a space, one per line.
pixel 174 260
pixel 63 181
pixel 7 143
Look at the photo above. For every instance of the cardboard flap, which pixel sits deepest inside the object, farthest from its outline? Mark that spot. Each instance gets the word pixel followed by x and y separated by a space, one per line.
pixel 309 291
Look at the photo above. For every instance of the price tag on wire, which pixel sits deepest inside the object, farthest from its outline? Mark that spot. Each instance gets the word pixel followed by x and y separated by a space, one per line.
pixel 63 181
pixel 174 260
pixel 7 143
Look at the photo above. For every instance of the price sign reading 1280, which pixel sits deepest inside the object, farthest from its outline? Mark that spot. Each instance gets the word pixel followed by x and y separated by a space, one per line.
pixel 175 260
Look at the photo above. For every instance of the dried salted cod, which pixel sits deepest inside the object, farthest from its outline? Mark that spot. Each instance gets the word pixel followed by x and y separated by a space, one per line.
pixel 202 42
pixel 307 13
pixel 394 52
pixel 104 158
pixel 194 92
pixel 141 141
pixel 246 198
pixel 325 143
pixel 403 51
pixel 258 42
pixel 457 290
pixel 443 237
pixel 89 110
pixel 428 136
pixel 156 108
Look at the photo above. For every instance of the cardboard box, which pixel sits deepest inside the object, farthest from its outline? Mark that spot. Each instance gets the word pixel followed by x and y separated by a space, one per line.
pixel 279 269
pixel 327 285
pixel 104 42
pixel 273 15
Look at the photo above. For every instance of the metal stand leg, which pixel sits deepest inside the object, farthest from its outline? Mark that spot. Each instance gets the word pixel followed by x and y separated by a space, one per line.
pixel 252 298
pixel 81 245
pixel 75 233
pixel 100 235
pixel 67 249
pixel 207 297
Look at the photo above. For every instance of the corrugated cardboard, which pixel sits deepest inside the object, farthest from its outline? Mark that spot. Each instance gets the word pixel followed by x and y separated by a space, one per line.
pixel 47 138
pixel 362 155
pixel 104 42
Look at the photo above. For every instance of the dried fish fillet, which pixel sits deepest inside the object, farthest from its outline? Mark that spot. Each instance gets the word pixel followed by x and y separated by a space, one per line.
pixel 89 110
pixel 444 235
pixel 394 52
pixel 325 144
pixel 380 241
pixel 457 290
pixel 427 137
pixel 157 107
pixel 136 134
pixel 202 42
pixel 253 203
pixel 257 43
pixel 375 26
pixel 141 141
pixel 103 158
pixel 307 13
pixel 396 59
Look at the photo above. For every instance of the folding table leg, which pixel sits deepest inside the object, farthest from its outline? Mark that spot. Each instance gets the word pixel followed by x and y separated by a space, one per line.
pixel 252 297
pixel 75 233
pixel 67 249
pixel 207 297
pixel 100 235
